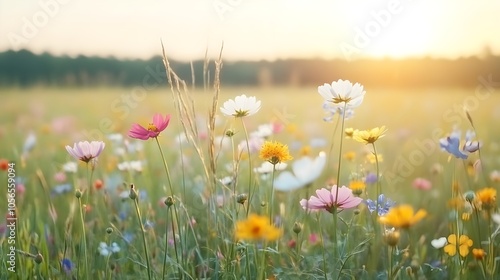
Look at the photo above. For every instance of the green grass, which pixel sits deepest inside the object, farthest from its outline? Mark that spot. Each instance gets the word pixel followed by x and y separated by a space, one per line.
pixel 206 248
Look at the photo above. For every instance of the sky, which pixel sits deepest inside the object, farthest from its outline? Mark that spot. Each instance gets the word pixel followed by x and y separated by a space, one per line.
pixel 251 29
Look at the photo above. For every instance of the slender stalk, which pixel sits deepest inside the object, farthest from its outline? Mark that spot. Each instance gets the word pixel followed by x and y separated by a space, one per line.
pixel 249 166
pixel 322 247
pixel 340 151
pixel 379 187
pixel 335 212
pixel 166 167
pixel 167 172
pixel 271 201
pixel 262 265
pixel 175 242
pixel 84 238
pixel 164 270
pixel 143 231
pixel 389 271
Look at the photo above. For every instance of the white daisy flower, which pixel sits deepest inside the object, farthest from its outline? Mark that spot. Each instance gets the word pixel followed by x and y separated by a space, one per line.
pixel 134 165
pixel 305 171
pixel 343 93
pixel 267 167
pixel 106 250
pixel 439 243
pixel 241 106
pixel 263 131
pixel 70 167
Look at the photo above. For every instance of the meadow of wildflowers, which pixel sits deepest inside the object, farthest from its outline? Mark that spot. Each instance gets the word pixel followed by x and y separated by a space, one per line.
pixel 215 191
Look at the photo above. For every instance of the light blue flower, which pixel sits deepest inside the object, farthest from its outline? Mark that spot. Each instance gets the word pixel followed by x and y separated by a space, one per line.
pixel 451 144
pixel 331 110
pixel 383 205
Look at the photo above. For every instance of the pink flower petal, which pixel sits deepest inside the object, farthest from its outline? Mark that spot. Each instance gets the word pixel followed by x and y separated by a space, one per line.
pixel 138 132
pixel 325 196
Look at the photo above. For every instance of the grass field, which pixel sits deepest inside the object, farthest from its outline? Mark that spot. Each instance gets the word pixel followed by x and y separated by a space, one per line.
pixel 195 237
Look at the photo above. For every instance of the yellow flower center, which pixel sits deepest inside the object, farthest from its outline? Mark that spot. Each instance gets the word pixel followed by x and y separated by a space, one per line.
pixel 152 127
pixel 240 113
pixel 339 99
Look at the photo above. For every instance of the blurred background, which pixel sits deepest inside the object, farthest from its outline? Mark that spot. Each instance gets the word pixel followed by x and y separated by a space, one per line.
pixel 395 43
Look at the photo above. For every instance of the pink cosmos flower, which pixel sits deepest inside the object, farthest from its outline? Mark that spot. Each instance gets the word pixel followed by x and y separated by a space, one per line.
pixel 86 151
pixel 325 199
pixel 152 131
pixel 422 184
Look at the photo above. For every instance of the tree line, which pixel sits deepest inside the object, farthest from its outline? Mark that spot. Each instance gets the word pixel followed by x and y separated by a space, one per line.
pixel 24 68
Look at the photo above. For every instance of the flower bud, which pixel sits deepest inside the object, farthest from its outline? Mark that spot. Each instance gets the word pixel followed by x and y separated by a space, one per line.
pixel 169 201
pixel 133 192
pixel 391 237
pixel 229 133
pixel 297 227
pixel 469 196
pixel 241 198
pixel 38 258
pixel 78 194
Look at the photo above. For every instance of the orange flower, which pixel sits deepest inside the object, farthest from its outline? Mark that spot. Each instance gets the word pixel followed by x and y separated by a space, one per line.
pixel 256 228
pixel 402 216
pixel 357 187
pixel 487 197
pixel 98 184
pixel 274 152
pixel 4 164
pixel 478 254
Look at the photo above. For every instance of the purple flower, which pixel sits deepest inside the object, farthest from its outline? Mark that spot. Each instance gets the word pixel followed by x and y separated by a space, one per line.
pixel 383 205
pixel 67 265
pixel 451 144
pixel 371 178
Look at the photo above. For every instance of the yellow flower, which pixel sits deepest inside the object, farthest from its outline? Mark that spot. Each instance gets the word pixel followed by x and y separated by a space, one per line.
pixel 371 158
pixel 402 216
pixel 478 254
pixel 357 187
pixel 274 152
pixel 305 150
pixel 256 228
pixel 456 203
pixel 464 242
pixel 349 132
pixel 350 156
pixel 487 198
pixel 369 136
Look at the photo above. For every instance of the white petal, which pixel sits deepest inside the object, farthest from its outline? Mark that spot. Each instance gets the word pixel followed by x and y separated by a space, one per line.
pixel 286 182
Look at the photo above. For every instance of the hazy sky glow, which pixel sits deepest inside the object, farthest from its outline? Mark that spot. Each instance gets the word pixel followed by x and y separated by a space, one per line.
pixel 251 29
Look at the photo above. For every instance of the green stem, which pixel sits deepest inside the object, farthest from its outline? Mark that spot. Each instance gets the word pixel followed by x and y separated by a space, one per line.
pixel 143 231
pixel 340 151
pixel 389 271
pixel 175 242
pixel 167 172
pixel 322 247
pixel 166 167
pixel 263 262
pixel 84 238
pixel 271 201
pixel 249 167
pixel 164 270
pixel 379 187
pixel 335 213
